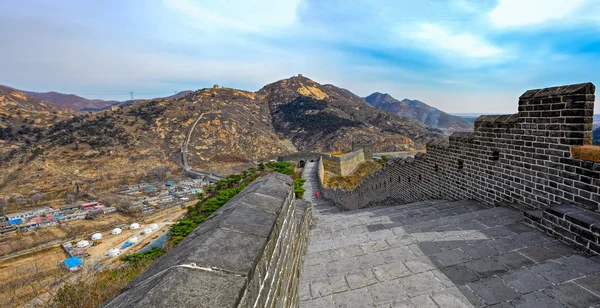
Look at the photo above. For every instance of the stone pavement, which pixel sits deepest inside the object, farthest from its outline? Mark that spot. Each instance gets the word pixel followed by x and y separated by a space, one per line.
pixel 439 254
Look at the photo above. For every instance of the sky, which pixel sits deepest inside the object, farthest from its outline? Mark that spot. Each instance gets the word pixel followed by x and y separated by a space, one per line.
pixel 474 56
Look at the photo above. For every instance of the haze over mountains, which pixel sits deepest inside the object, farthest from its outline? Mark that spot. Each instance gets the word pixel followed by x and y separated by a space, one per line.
pixel 418 110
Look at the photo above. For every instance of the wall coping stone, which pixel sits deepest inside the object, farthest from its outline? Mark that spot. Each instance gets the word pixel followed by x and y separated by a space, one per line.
pixel 211 266
pixel 581 88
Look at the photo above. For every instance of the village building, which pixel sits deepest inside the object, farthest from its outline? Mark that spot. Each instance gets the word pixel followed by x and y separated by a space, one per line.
pixel 73 263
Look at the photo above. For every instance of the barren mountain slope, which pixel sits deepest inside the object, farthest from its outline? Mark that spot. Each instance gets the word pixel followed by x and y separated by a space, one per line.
pixel 23 118
pixel 327 118
pixel 102 151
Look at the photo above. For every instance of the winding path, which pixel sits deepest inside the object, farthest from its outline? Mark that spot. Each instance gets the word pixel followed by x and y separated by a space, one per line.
pixel 184 149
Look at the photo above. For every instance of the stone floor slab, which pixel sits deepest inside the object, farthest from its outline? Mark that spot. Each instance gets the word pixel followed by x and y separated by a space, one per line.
pixel 386 292
pixel 525 281
pixel 328 286
pixel 493 290
pixel 323 302
pixel 351 299
pixel 573 295
pixel 536 300
pixel 423 301
pixel 391 271
pixel 419 284
pixel 555 272
pixel 486 267
pixel 459 274
pixel 361 279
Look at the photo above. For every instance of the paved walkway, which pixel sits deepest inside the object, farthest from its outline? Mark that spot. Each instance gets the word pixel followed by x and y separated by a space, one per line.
pixel 439 254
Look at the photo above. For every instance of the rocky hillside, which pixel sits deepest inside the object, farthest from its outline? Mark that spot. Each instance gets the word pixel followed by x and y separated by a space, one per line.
pixel 418 110
pixel 327 118
pixel 23 119
pixel 235 129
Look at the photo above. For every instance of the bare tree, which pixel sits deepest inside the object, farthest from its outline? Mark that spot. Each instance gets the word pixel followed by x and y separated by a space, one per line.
pixel 36 198
pixel 20 201
pixel 159 173
pixel 70 198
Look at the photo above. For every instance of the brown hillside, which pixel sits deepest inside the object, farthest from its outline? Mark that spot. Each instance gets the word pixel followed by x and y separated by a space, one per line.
pixel 23 119
pixel 105 150
pixel 328 118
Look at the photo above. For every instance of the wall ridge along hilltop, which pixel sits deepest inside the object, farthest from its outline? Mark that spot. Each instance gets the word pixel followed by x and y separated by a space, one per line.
pixel 522 158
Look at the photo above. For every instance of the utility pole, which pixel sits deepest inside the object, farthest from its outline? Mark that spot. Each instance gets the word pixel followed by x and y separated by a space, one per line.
pixel 131 93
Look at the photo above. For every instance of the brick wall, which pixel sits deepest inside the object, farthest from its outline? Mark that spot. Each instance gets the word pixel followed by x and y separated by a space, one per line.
pixel 517 158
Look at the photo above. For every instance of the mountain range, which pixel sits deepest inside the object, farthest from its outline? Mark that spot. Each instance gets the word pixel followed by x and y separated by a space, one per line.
pixel 74 102
pixel 234 130
pixel 418 110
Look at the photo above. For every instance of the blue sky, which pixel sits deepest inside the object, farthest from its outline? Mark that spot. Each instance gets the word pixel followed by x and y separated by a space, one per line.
pixel 457 55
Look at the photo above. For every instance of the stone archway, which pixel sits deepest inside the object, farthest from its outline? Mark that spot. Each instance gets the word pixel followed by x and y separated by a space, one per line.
pixel 301 164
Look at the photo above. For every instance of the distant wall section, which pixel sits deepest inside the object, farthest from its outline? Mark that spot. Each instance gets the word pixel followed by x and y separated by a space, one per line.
pixel 344 165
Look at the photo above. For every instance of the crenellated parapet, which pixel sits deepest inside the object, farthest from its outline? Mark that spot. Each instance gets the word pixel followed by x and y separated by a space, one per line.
pixel 521 158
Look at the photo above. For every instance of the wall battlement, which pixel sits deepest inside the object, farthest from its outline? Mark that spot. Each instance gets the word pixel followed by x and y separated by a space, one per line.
pixel 344 165
pixel 522 158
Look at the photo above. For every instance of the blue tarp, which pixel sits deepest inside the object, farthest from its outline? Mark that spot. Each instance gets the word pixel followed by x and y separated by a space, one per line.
pixel 72 262
pixel 126 245
pixel 15 221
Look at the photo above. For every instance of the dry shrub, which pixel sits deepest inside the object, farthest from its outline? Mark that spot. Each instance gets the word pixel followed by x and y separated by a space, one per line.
pixel 351 181
pixel 587 152
pixel 92 288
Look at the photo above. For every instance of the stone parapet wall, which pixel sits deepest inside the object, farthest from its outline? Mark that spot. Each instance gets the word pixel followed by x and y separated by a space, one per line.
pixel 344 165
pixel 247 254
pixel 347 163
pixel 520 158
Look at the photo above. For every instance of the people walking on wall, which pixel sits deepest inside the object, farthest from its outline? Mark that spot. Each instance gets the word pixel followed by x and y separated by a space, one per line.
pixel 316 194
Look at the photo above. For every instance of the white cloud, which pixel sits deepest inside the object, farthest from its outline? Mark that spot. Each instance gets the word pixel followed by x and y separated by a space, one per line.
pixel 435 39
pixel 517 13
pixel 242 15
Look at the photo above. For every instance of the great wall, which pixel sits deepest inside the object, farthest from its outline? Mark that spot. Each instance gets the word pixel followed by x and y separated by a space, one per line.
pixel 504 215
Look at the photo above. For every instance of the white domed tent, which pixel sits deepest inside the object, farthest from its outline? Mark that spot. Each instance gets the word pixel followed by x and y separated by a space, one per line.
pixel 96 236
pixel 134 240
pixel 114 252
pixel 82 244
pixel 116 231
pixel 147 231
pixel 154 226
pixel 134 226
